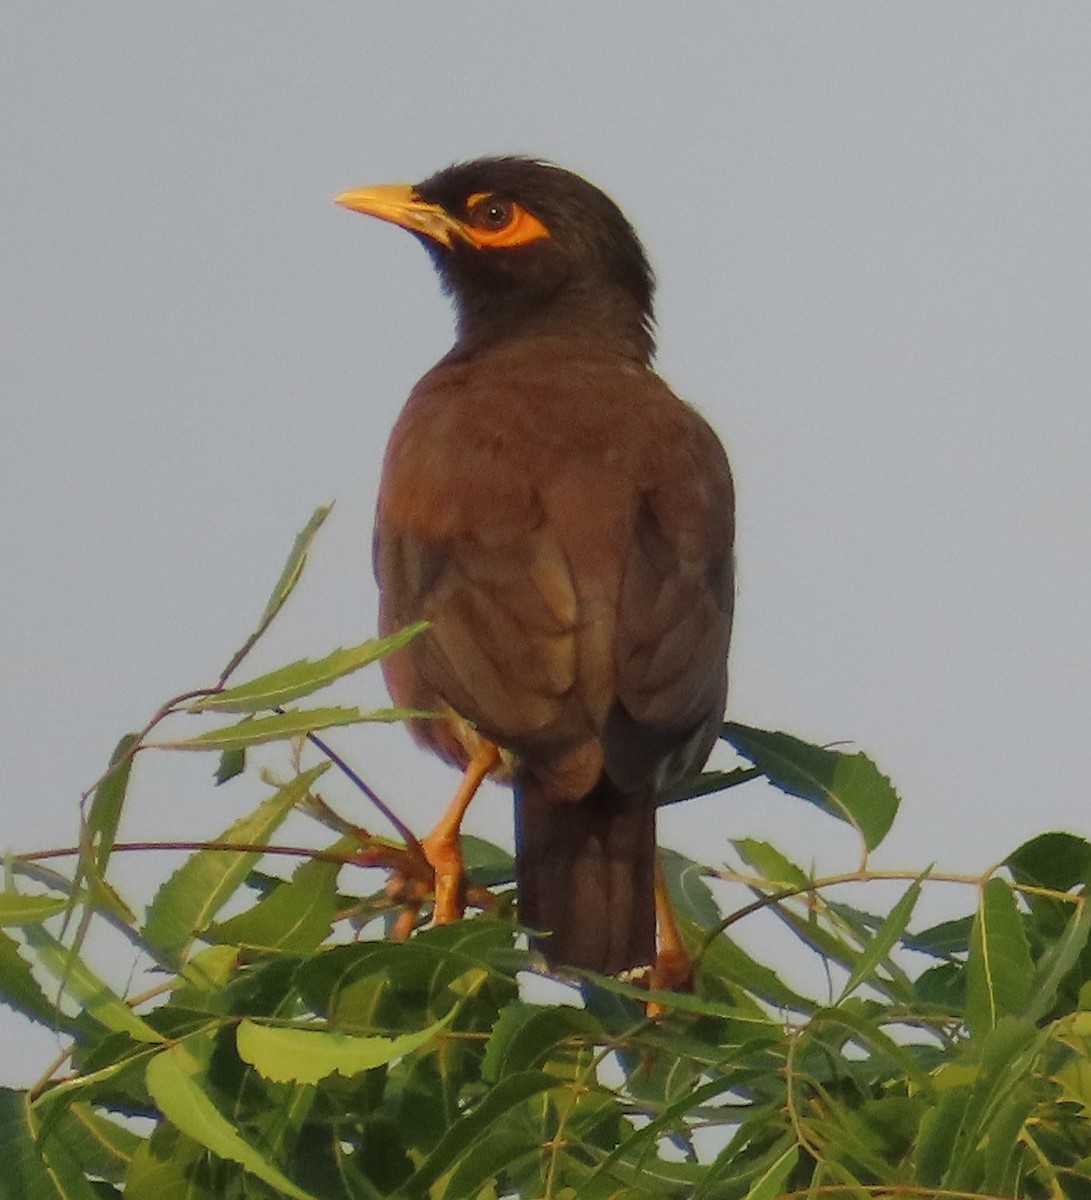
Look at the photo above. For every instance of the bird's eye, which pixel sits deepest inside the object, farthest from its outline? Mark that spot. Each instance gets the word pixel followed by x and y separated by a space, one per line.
pixel 494 221
pixel 492 213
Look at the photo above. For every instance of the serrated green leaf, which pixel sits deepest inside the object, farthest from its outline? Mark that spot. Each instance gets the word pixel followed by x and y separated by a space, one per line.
pixel 885 939
pixel 20 991
pixel 102 1147
pixel 726 960
pixel 17 909
pixel 525 1035
pixel 174 1078
pixel 170 1166
pixel 28 1172
pixel 1052 860
pixel 862 1022
pixel 105 812
pixel 97 834
pixel 295 916
pixel 463 1135
pixel 301 678
pixel 944 940
pixel 93 994
pixel 691 894
pixel 847 786
pixel 738 1165
pixel 277 728
pixel 293 568
pixel 768 1184
pixel 1059 957
pixel 189 900
pixel 768 861
pixel 494 1153
pixel 310 1055
pixel 667 1119
pixel 999 970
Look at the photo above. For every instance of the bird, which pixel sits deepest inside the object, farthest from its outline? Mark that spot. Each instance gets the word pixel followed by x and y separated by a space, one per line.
pixel 565 525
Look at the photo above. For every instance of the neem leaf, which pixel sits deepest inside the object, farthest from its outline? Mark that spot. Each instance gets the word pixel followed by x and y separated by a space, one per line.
pixel 28 1172
pixel 280 727
pixel 770 1183
pixel 999 971
pixel 17 909
pixel 174 1083
pixel 885 938
pixel 295 916
pixel 232 763
pixel 96 998
pixel 188 901
pixel 309 1055
pixel 20 990
pixel 293 568
pixel 847 786
pixel 285 684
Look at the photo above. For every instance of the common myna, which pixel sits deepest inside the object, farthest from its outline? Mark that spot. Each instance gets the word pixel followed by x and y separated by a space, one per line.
pixel 565 524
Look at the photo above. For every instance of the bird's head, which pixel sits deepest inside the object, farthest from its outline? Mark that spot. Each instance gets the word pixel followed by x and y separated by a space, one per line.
pixel 524 248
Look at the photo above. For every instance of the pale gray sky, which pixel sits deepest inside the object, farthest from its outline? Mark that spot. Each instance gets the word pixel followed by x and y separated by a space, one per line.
pixel 871 228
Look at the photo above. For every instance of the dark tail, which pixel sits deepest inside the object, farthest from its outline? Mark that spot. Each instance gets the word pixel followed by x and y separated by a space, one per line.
pixel 586 872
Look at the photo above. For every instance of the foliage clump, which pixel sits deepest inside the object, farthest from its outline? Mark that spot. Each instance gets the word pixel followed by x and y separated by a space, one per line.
pixel 293 1049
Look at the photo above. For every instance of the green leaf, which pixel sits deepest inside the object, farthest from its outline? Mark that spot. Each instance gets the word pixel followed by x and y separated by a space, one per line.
pixel 706 783
pixel 494 1153
pixel 103 1148
pixel 885 939
pixel 20 991
pixel 301 678
pixel 310 1055
pixel 174 1078
pixel 461 1138
pixel 945 940
pixel 293 568
pixel 28 1172
pixel 726 960
pixel 188 901
pixel 682 1002
pixel 769 1183
pixel 487 865
pixel 1055 861
pixel 296 916
pixel 1059 861
pixel 17 909
pixel 171 1166
pixel 105 813
pixel 668 1118
pixel 277 728
pixel 847 786
pixel 524 1036
pixel 1059 957
pixel 232 763
pixel 94 996
pixel 862 1022
pixel 97 834
pixel 691 894
pixel 774 866
pixel 999 970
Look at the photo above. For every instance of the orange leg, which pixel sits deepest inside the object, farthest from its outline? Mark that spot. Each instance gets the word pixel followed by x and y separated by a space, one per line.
pixel 442 847
pixel 673 970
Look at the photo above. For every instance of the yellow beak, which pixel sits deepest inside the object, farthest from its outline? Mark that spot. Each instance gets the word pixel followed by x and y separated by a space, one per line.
pixel 400 204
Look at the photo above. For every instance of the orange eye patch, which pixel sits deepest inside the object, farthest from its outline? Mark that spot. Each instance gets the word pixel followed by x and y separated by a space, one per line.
pixel 494 221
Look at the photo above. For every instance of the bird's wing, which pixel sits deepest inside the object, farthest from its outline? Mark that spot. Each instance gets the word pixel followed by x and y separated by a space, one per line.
pixel 674 616
pixel 500 649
